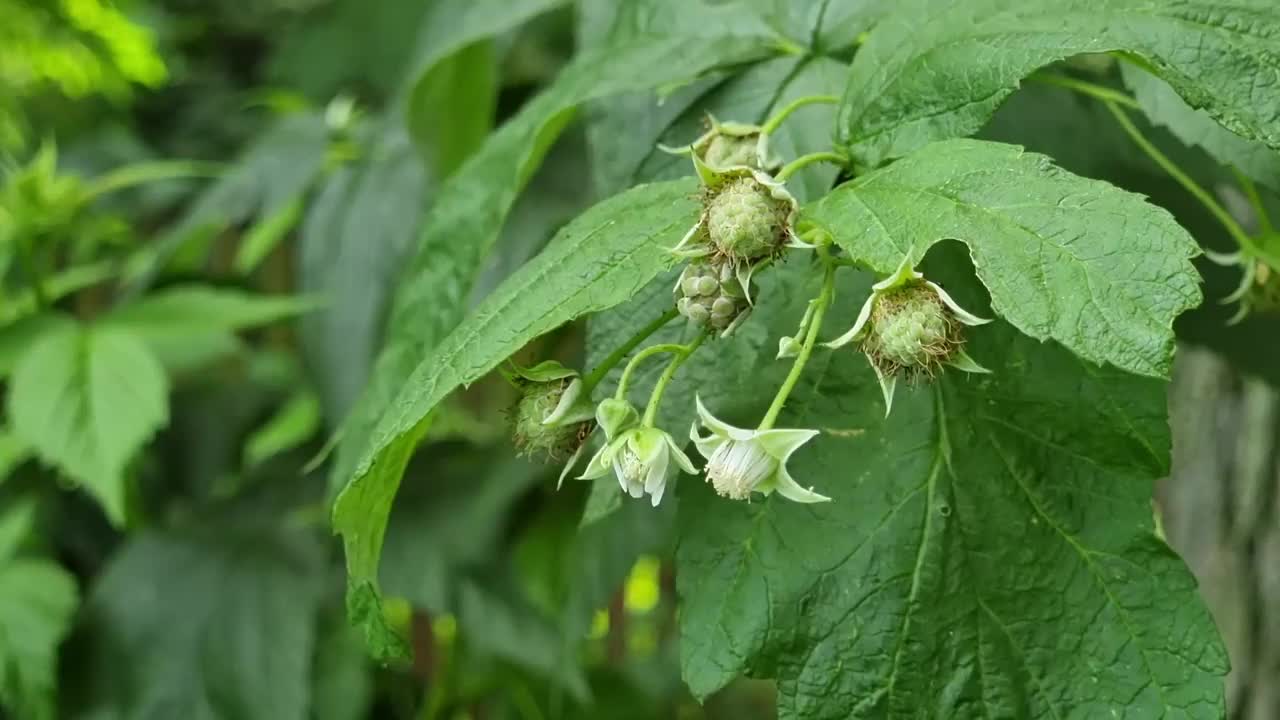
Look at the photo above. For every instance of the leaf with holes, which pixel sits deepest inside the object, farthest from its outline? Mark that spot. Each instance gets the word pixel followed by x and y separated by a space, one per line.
pixel 1079 261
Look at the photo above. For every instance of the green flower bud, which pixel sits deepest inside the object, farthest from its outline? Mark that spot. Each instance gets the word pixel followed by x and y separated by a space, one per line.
pixel 711 295
pixel 728 150
pixel 730 144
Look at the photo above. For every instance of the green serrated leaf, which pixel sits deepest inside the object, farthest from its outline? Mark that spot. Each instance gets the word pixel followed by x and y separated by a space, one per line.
pixel 217 621
pixel 470 209
pixel 451 54
pixel 599 260
pixel 190 325
pixel 1164 107
pixel 989 552
pixel 382 196
pixel 292 425
pixel 37 602
pixel 1079 261
pixel 931 72
pixel 86 399
pixel 19 337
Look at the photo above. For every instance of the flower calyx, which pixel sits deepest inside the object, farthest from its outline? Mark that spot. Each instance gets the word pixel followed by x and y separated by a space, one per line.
pixel 730 144
pixel 911 327
pixel 1259 288
pixel 741 462
pixel 712 295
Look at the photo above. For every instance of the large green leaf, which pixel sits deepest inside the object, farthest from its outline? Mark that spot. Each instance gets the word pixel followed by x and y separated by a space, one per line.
pixel 598 261
pixel 989 552
pixel 1164 107
pixel 451 54
pixel 933 70
pixel 470 209
pixel 85 400
pixel 187 326
pixel 1079 261
pixel 218 621
pixel 381 196
pixel 37 602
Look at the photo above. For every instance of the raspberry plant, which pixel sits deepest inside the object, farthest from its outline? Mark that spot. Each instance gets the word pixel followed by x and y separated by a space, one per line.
pixel 860 315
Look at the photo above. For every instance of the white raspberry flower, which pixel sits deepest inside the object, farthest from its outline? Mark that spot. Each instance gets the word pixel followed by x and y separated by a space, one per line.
pixel 741 462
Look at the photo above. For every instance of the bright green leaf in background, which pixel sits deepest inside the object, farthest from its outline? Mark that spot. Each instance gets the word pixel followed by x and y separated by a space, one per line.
pixel 86 399
pixel 934 71
pixel 989 552
pixel 37 601
pixel 1079 261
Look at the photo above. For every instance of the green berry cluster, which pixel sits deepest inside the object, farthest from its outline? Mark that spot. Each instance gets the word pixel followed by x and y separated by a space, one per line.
pixel 710 294
pixel 745 221
pixel 911 332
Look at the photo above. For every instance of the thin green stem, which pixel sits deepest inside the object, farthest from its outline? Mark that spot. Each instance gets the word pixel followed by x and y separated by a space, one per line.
pixel 810 339
pixel 1100 92
pixel 801 162
pixel 1241 237
pixel 141 173
pixel 775 122
pixel 655 398
pixel 590 382
pixel 639 358
pixel 1251 191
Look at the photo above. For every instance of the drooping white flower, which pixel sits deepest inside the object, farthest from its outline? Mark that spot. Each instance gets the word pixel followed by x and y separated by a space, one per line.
pixel 741 462
pixel 641 458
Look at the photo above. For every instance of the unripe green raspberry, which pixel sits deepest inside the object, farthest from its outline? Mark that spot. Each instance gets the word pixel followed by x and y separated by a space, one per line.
pixel 710 295
pixel 745 221
pixel 912 331
pixel 532 435
pixel 732 150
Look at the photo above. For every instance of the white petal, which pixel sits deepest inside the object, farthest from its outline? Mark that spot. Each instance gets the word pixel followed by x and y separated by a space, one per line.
pixel 863 316
pixel 962 315
pixel 904 274
pixel 655 478
pixel 788 347
pixel 781 443
pixel 788 488
pixel 887 385
pixel 962 361
pixel 1240 314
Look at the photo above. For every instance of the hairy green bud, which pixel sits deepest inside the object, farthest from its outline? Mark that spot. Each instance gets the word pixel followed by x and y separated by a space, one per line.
pixel 531 430
pixel 1264 293
pixel 912 331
